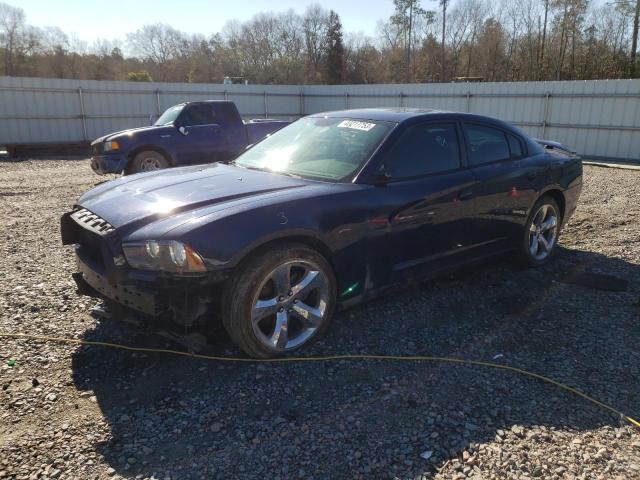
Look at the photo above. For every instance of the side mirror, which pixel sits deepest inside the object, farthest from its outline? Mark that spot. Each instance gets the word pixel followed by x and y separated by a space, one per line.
pixel 183 130
pixel 380 179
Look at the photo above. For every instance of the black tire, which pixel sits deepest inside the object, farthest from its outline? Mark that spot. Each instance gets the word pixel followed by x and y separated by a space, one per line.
pixel 146 161
pixel 251 282
pixel 526 244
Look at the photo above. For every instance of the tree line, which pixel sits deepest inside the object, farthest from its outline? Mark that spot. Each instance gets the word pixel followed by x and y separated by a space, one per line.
pixel 500 40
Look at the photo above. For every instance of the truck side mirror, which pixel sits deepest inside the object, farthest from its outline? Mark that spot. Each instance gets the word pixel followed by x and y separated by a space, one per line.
pixel 183 130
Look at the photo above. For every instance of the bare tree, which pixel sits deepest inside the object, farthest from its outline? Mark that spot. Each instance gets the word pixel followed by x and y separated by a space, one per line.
pixel 362 60
pixel 631 8
pixel 389 34
pixel 634 43
pixel 315 23
pixel 544 38
pixel 496 39
pixel 443 4
pixel 158 42
pixel 12 24
pixel 407 14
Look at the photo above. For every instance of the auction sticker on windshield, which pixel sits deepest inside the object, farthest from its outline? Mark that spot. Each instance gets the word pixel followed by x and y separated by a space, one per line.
pixel 364 126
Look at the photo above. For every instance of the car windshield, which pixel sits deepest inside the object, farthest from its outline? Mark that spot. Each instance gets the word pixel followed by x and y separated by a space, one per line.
pixel 325 148
pixel 169 116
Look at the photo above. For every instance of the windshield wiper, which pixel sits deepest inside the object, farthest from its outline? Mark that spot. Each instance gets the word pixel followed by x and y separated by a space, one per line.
pixel 235 164
pixel 265 170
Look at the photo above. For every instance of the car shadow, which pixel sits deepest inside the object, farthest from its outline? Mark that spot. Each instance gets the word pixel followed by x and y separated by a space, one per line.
pixel 189 418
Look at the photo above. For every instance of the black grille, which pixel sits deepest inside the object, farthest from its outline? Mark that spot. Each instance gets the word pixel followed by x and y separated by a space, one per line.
pixel 92 222
pixel 97 148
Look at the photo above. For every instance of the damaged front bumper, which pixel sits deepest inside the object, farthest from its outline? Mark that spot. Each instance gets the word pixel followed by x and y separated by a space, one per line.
pixel 103 272
pixel 93 281
pixel 183 300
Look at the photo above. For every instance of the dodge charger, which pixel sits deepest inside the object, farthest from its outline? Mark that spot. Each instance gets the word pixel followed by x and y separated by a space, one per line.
pixel 327 212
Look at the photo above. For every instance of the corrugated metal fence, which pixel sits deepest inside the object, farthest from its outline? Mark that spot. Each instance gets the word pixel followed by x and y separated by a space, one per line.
pixel 598 118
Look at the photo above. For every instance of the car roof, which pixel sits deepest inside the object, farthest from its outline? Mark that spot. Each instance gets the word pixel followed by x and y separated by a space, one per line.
pixel 381 114
pixel 203 101
pixel 402 114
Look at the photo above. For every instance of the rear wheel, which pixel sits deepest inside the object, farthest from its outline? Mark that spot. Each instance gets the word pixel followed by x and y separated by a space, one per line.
pixel 541 232
pixel 147 161
pixel 279 301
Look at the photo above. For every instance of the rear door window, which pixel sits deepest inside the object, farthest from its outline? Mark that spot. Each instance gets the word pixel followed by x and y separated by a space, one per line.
pixel 486 144
pixel 199 114
pixel 424 149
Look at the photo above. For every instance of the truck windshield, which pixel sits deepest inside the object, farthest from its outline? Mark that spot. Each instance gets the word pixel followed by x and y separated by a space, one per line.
pixel 318 147
pixel 169 116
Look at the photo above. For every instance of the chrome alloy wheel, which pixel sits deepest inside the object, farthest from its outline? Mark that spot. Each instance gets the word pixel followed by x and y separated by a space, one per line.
pixel 543 232
pixel 290 306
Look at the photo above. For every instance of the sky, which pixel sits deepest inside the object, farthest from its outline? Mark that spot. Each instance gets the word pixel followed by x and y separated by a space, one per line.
pixel 113 19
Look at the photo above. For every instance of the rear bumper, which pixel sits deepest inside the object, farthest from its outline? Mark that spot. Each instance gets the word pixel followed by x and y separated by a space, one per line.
pixel 572 195
pixel 111 163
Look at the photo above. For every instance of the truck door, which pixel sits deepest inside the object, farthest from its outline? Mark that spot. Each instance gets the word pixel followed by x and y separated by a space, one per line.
pixel 202 137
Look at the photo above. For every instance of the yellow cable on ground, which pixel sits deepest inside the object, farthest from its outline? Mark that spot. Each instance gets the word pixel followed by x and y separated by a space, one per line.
pixel 408 358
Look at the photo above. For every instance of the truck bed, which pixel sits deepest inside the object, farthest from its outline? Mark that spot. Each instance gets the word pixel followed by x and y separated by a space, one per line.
pixel 259 128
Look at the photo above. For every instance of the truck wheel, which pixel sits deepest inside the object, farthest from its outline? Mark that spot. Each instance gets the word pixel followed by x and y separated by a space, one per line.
pixel 146 161
pixel 279 301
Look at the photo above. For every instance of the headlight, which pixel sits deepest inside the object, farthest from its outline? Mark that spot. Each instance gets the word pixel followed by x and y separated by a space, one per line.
pixel 112 145
pixel 165 255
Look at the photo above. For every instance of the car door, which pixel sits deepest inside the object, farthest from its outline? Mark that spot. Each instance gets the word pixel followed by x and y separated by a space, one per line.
pixel 428 198
pixel 202 138
pixel 508 182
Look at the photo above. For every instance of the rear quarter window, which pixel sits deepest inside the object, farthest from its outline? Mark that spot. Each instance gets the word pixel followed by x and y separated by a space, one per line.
pixel 486 144
pixel 515 146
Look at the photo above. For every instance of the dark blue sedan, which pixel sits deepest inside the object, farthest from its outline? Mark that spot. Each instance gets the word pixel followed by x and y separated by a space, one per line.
pixel 321 215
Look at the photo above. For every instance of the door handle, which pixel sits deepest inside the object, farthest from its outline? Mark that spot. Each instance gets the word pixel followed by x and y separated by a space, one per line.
pixel 531 175
pixel 465 195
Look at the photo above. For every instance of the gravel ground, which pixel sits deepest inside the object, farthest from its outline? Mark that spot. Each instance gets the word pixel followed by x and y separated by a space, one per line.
pixel 91 412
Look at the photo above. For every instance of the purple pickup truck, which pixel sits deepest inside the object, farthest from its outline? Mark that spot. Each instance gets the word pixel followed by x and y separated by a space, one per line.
pixel 185 134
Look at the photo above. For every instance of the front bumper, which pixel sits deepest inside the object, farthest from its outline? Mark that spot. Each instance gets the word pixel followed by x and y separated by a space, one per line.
pixel 131 296
pixel 103 272
pixel 183 300
pixel 93 280
pixel 109 163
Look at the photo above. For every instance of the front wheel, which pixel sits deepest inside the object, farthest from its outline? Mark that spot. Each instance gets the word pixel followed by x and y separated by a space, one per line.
pixel 146 161
pixel 541 232
pixel 279 301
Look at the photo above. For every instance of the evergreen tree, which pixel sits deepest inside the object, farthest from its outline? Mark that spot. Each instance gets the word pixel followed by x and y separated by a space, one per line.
pixel 335 50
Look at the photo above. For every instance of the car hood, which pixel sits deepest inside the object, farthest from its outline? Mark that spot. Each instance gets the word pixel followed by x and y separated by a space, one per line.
pixel 130 132
pixel 134 201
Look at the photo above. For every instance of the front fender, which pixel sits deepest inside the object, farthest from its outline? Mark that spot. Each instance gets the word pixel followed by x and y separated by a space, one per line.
pixel 227 240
